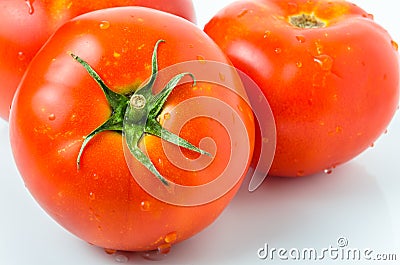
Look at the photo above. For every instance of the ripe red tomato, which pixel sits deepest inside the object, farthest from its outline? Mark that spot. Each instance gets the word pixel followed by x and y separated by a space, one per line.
pixel 329 72
pixel 26 25
pixel 84 182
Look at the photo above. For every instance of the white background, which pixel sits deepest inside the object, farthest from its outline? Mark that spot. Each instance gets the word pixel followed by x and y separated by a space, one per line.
pixel 358 201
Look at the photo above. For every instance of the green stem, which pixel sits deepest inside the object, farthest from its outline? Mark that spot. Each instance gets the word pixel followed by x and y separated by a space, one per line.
pixel 135 114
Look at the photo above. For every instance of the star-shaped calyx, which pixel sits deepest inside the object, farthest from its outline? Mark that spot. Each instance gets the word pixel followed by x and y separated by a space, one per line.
pixel 135 114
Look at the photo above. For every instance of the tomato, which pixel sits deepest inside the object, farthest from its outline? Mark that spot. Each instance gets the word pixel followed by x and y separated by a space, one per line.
pixel 78 128
pixel 328 70
pixel 26 25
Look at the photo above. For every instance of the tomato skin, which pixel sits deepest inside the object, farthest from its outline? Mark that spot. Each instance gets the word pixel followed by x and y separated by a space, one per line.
pixel 333 90
pixel 58 103
pixel 24 32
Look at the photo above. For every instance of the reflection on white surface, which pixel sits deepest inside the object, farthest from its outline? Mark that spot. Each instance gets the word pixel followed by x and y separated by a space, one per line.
pixel 357 201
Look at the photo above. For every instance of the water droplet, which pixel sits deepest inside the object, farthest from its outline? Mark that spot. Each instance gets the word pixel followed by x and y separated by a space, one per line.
pixel 52 117
pixel 29 3
pixel 116 54
pixel 328 171
pixel 167 116
pixel 153 255
pixel 395 45
pixel 267 34
pixel 300 173
pixel 171 237
pixel 337 130
pixel 201 59
pixel 92 196
pixel 242 13
pixel 110 251
pixel 104 24
pixel 299 64
pixel 278 50
pixel 325 61
pixel 121 258
pixel 145 206
pixel 21 56
pixel 369 16
pixel 164 248
pixel 301 38
pixel 95 176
